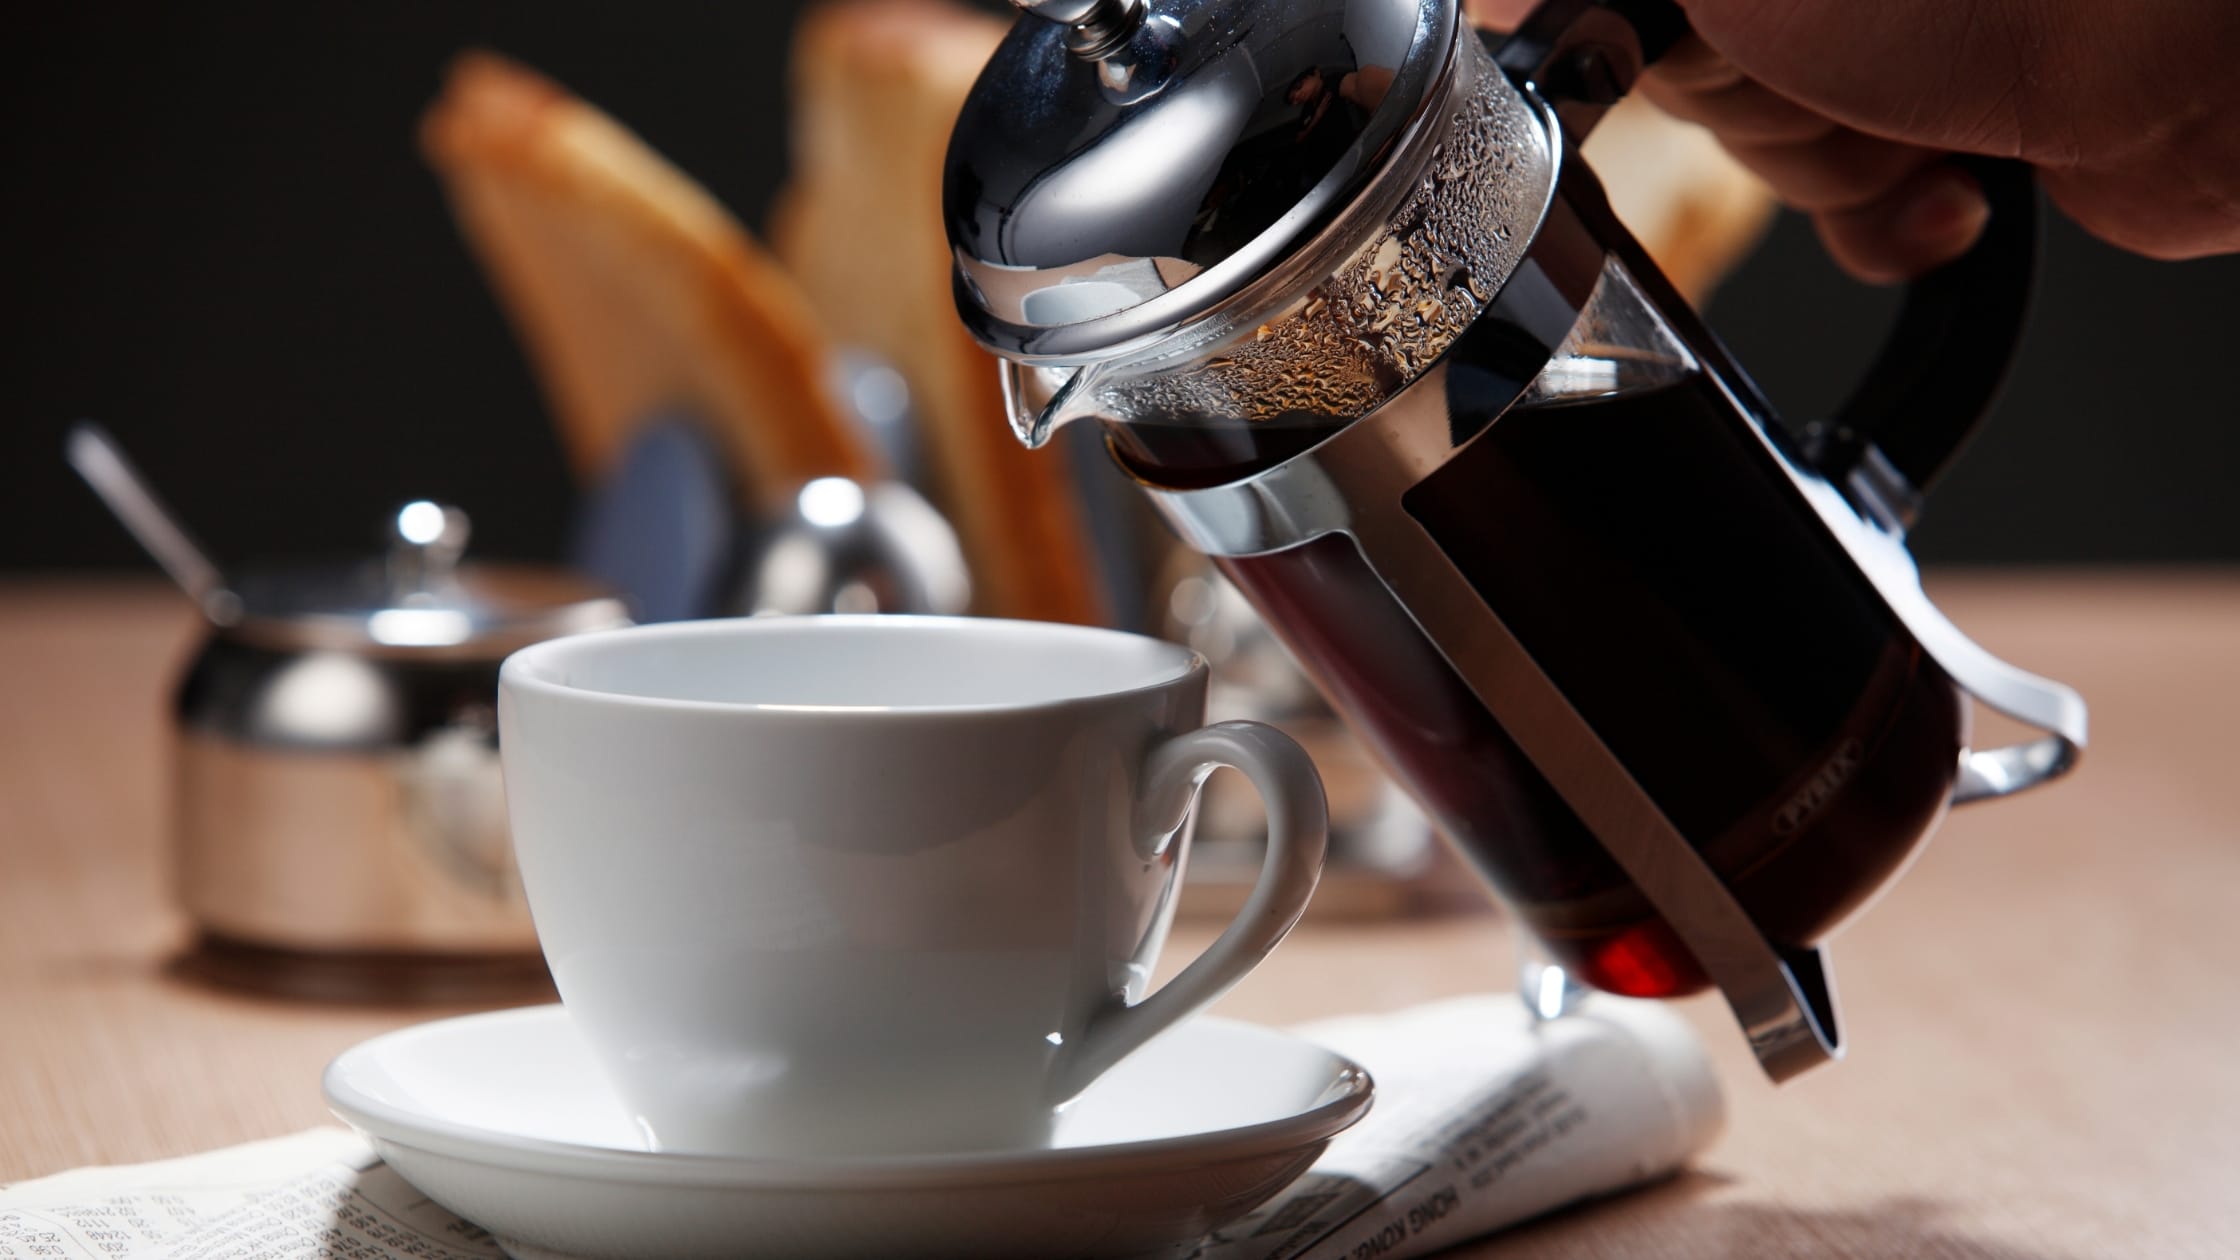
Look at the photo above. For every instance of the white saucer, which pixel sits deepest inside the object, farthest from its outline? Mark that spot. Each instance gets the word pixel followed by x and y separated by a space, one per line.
pixel 505 1119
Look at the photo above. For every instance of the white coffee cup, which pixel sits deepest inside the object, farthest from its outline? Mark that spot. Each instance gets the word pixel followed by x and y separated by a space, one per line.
pixel 840 886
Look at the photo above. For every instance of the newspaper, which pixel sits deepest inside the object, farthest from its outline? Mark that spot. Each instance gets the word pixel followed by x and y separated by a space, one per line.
pixel 1486 1117
pixel 1483 1118
pixel 322 1192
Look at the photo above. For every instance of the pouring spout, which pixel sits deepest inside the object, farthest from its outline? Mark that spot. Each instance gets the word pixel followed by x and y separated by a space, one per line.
pixel 1035 410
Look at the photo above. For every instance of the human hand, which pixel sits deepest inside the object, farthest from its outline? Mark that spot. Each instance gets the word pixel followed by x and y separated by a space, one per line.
pixel 1848 110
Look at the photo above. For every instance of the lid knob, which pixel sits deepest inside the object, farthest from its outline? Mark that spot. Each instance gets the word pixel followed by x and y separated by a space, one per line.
pixel 425 542
pixel 1093 27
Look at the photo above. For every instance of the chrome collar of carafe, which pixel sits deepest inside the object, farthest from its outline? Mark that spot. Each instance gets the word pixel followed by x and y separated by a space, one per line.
pixel 1131 333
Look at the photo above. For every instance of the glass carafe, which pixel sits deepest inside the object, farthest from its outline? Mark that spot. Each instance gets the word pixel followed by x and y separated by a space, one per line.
pixel 1657 664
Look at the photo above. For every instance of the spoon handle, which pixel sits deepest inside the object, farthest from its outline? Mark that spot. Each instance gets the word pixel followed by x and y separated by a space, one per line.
pixel 97 458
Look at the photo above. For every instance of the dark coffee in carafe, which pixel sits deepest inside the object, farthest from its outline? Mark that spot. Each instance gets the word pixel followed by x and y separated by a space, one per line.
pixel 1792 730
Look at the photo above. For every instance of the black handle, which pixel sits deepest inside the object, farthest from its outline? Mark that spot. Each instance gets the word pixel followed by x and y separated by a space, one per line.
pixel 1959 327
pixel 1948 353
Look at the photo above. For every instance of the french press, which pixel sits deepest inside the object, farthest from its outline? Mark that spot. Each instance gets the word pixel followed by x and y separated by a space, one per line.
pixel 1349 306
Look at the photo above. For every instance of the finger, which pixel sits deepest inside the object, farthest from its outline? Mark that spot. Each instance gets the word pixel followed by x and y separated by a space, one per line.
pixel 1738 109
pixel 1928 219
pixel 1838 171
pixel 1695 66
pixel 1941 74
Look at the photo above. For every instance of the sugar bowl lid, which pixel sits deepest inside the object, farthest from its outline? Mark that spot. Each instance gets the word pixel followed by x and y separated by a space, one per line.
pixel 418 601
pixel 1125 165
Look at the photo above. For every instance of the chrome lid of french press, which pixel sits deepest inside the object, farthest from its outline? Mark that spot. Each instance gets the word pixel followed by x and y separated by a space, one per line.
pixel 1326 253
pixel 1124 166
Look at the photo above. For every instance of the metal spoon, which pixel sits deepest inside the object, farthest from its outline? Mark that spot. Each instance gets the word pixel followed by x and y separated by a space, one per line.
pixel 844 547
pixel 97 458
pixel 847 546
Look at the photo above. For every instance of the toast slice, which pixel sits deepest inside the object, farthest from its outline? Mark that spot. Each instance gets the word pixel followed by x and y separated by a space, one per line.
pixel 877 85
pixel 633 291
pixel 1694 208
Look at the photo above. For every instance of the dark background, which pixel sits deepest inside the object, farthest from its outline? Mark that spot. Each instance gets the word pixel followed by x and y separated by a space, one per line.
pixel 221 242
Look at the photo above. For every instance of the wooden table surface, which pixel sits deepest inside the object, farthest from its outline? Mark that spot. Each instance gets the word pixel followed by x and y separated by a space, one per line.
pixel 2044 1014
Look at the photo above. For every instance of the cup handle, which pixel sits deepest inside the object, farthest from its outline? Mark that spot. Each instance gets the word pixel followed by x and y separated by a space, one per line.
pixel 1298 833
